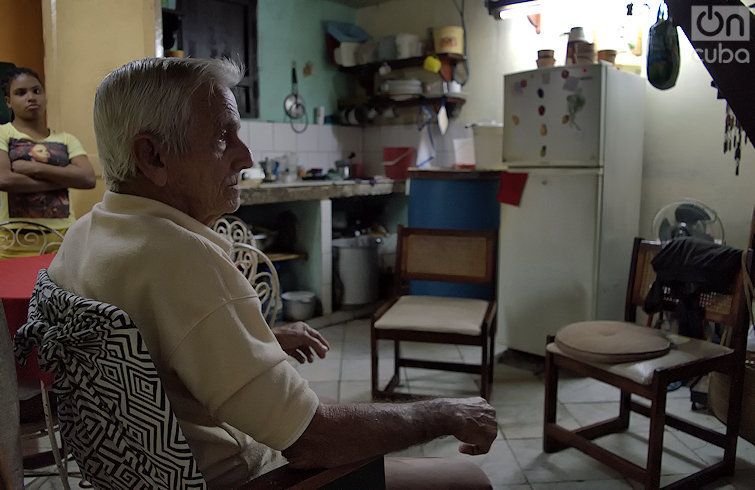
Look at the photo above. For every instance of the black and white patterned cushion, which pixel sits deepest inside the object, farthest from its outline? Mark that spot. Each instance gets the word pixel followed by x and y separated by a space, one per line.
pixel 114 414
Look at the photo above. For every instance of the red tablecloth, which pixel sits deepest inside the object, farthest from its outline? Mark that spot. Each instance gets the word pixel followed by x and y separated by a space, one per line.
pixel 17 278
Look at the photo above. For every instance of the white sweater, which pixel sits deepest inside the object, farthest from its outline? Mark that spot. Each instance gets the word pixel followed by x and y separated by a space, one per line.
pixel 227 378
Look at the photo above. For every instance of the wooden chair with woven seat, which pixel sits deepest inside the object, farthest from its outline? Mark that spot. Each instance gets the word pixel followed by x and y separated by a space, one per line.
pixel 649 378
pixel 451 256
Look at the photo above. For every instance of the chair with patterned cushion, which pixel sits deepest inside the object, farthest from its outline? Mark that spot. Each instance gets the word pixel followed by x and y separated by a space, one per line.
pixel 643 361
pixel 114 414
pixel 447 256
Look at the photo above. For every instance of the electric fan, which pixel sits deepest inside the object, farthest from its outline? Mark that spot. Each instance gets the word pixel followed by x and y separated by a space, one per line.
pixel 688 218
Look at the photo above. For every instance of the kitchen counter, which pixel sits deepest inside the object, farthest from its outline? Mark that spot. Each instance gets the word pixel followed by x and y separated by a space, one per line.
pixel 316 190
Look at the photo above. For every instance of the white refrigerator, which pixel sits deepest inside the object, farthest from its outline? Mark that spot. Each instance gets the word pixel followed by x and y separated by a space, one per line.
pixel 564 252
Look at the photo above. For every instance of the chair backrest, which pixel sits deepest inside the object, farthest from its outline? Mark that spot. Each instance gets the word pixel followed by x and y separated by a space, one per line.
pixel 459 256
pixel 264 280
pixel 729 309
pixel 35 237
pixel 114 414
pixel 234 229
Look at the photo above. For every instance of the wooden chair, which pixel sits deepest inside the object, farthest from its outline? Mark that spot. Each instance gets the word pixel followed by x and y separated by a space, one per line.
pixel 453 256
pixel 649 379
pixel 264 279
pixel 38 238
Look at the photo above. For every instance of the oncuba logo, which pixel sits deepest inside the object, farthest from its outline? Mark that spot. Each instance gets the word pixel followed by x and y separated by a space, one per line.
pixel 727 24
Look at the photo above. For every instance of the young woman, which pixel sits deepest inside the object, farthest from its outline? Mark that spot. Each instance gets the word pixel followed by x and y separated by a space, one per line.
pixel 37 165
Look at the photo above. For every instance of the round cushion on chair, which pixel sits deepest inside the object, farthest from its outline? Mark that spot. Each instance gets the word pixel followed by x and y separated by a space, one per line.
pixel 611 342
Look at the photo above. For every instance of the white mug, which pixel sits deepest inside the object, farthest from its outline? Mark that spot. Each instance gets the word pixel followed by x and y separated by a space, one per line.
pixel 406 45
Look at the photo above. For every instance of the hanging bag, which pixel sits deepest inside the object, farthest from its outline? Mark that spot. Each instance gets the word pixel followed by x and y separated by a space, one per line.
pixel 663 52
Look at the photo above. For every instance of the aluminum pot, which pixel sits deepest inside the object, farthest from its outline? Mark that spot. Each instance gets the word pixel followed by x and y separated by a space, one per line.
pixel 298 305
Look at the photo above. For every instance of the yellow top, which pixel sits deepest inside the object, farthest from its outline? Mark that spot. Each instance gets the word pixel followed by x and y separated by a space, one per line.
pixel 51 208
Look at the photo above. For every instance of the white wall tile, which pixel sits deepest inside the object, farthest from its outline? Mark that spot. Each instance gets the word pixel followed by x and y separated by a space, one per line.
pixel 284 138
pixel 372 139
pixel 350 139
pixel 243 133
pixel 260 136
pixel 307 141
pixel 326 139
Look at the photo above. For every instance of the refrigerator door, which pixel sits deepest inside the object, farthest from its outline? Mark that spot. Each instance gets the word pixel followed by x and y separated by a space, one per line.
pixel 552 117
pixel 548 257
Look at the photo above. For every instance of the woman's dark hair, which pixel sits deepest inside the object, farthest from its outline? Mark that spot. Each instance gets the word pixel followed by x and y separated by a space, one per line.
pixel 14 73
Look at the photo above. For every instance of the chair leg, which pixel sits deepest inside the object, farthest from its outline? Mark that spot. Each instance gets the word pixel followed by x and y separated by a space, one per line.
pixel 551 398
pixel 655 440
pixel 62 468
pixel 733 419
pixel 396 358
pixel 374 360
pixel 485 370
pixel 624 408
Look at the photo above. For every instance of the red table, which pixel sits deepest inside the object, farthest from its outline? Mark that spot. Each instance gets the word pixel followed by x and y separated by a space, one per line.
pixel 17 279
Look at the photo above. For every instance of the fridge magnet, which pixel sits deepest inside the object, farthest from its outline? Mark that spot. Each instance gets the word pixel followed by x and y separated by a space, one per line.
pixel 543 130
pixel 565 119
pixel 546 78
pixel 543 151
pixel 540 93
pixel 523 83
pixel 575 103
pixel 515 120
pixel 518 90
pixel 571 84
pixel 564 74
pixel 541 110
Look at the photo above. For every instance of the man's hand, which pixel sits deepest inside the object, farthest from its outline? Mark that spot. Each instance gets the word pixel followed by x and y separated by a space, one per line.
pixel 26 167
pixel 477 426
pixel 298 340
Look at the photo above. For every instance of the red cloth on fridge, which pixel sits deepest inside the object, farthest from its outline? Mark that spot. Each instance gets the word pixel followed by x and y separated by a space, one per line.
pixel 511 187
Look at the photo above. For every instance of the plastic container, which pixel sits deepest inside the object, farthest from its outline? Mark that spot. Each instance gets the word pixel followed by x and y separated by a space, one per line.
pixel 449 39
pixel 298 305
pixel 397 160
pixel 356 261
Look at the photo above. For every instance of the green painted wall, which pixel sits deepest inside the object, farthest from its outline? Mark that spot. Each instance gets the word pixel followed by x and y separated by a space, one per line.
pixel 292 30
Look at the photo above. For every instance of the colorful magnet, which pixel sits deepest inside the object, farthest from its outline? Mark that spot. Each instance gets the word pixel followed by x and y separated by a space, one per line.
pixel 565 119
pixel 541 110
pixel 540 93
pixel 515 120
pixel 543 151
pixel 523 83
pixel 564 73
pixel 543 130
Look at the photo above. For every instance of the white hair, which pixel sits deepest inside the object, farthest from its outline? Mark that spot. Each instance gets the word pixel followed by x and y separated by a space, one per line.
pixel 152 95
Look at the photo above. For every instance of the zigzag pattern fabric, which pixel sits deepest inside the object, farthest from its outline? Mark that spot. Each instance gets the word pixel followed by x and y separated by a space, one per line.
pixel 114 414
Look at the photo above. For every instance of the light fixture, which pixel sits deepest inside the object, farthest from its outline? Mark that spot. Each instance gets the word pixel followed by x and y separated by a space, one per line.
pixel 509 9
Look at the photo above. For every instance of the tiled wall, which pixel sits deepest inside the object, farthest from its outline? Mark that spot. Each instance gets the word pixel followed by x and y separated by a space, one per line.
pixel 321 146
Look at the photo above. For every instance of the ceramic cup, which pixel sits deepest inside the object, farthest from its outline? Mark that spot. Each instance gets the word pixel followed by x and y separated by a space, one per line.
pixel 545 62
pixel 545 53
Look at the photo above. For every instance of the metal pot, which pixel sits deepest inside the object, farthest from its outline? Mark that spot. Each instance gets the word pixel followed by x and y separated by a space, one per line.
pixel 298 305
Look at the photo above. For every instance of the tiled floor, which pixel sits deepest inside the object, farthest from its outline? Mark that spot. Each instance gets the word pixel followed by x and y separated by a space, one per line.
pixel 516 460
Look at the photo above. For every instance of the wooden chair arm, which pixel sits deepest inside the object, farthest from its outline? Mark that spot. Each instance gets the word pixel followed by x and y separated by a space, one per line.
pixel 367 474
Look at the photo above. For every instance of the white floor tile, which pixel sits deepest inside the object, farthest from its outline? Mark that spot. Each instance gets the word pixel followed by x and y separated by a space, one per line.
pixel 584 485
pixel 527 393
pixel 516 423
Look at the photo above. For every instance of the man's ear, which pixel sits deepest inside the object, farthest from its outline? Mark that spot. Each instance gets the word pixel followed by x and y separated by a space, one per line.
pixel 7 101
pixel 149 159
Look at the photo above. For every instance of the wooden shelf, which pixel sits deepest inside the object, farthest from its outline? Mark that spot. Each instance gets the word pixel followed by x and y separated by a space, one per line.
pixel 282 257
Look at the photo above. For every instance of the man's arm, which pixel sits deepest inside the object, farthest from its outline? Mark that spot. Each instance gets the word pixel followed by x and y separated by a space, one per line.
pixel 15 182
pixel 77 174
pixel 342 434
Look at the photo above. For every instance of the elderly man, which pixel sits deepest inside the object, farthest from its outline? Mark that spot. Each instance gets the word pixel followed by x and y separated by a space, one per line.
pixel 167 139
